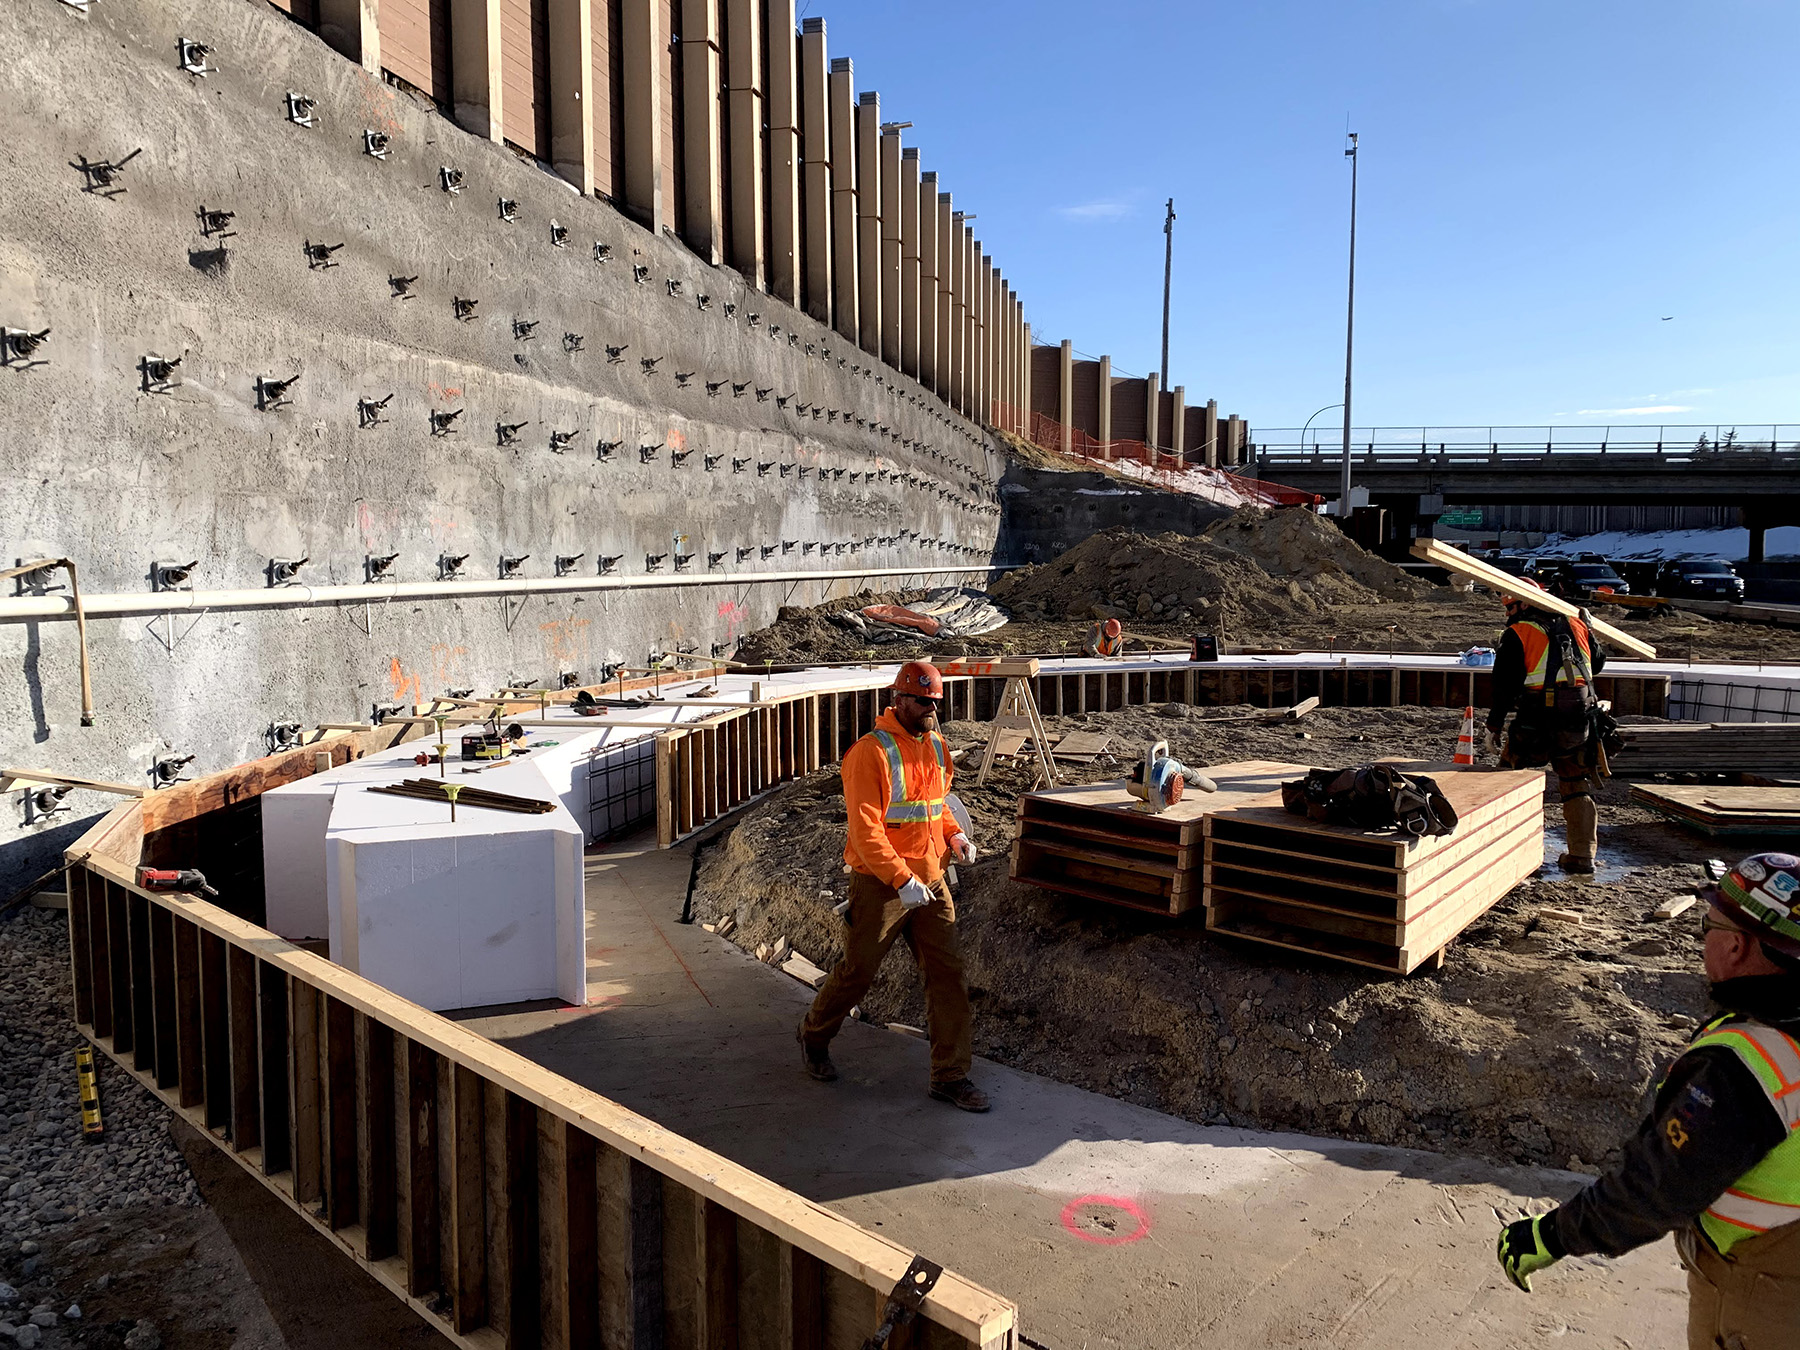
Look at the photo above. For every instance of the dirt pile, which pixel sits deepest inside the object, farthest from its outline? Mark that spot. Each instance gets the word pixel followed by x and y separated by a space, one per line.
pixel 1174 578
pixel 1293 543
pixel 1532 1045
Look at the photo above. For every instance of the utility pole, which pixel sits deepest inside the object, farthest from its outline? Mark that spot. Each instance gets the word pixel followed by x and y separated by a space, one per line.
pixel 1168 266
pixel 1349 335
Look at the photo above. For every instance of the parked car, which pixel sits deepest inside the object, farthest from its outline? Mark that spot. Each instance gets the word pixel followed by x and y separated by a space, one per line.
pixel 1580 580
pixel 1700 579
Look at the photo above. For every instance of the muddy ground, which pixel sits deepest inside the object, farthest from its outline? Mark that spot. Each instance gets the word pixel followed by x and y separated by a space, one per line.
pixel 1534 1044
pixel 1282 579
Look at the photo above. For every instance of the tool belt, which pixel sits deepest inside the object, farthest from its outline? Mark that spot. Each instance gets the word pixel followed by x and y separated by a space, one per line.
pixel 1371 797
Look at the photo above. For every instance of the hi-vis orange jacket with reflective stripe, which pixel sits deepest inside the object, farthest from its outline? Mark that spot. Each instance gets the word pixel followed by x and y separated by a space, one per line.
pixel 1534 637
pixel 893 837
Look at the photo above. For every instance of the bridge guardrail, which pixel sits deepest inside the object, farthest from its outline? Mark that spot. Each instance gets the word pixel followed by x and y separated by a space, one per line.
pixel 1698 445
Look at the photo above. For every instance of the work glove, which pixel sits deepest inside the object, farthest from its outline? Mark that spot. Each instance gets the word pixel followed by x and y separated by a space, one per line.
pixel 1492 742
pixel 1523 1250
pixel 961 846
pixel 915 894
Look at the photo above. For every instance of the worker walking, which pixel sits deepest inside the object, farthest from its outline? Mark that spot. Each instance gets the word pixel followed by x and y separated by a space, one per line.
pixel 1718 1160
pixel 895 781
pixel 1545 670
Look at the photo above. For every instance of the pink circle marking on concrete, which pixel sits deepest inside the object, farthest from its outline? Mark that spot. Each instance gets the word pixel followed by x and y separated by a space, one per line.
pixel 1130 1206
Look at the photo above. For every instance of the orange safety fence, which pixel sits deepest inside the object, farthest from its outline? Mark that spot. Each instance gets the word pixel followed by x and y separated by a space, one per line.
pixel 1166 469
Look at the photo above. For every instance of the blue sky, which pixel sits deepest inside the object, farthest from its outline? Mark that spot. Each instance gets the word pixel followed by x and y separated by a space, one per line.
pixel 1542 182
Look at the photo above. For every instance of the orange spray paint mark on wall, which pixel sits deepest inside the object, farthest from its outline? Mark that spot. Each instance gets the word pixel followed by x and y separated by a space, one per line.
pixel 406 688
pixel 566 641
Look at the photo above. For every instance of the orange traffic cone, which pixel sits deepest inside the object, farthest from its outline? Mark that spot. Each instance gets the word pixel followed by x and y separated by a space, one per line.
pixel 1465 739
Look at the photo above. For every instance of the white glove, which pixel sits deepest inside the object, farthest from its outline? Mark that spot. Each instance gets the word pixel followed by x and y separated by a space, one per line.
pixel 915 894
pixel 1491 741
pixel 961 846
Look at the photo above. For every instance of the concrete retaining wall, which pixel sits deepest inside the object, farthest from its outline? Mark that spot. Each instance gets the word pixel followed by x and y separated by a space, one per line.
pixel 119 472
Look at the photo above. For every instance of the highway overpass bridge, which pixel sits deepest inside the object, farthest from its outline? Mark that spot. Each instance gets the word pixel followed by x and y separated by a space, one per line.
pixel 1420 472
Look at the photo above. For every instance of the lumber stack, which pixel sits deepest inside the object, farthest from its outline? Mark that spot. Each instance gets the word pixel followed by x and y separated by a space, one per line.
pixel 1372 898
pixel 1097 841
pixel 1709 747
pixel 1717 811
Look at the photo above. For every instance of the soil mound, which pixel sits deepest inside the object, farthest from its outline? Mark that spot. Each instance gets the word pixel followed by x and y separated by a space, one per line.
pixel 1296 543
pixel 1126 575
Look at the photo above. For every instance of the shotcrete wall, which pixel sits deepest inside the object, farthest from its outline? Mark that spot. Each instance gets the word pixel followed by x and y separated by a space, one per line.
pixel 117 471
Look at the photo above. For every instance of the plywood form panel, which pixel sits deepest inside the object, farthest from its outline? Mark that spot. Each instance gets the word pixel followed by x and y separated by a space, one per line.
pixel 609 100
pixel 525 74
pixel 415 44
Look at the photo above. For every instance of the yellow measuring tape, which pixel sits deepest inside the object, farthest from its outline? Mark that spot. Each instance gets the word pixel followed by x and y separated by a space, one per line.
pixel 90 1090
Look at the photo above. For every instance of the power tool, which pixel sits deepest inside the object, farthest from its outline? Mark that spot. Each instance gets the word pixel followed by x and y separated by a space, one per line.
pixel 174 879
pixel 1160 780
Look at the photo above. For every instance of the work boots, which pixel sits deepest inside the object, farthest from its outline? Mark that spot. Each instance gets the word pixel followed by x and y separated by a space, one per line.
pixel 1581 822
pixel 962 1093
pixel 816 1060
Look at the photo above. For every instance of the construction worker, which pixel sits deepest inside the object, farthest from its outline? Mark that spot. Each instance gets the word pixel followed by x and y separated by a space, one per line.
pixel 1718 1160
pixel 1545 670
pixel 1105 639
pixel 895 781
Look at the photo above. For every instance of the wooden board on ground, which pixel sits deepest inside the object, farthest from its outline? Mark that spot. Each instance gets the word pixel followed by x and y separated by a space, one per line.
pixel 1373 898
pixel 1083 746
pixel 1720 811
pixel 1455 560
pixel 1098 841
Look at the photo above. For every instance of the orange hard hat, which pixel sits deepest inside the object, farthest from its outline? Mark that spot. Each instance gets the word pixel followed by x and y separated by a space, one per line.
pixel 921 679
pixel 1111 628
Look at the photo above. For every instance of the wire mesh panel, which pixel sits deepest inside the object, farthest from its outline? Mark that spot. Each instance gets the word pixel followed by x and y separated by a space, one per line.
pixel 621 788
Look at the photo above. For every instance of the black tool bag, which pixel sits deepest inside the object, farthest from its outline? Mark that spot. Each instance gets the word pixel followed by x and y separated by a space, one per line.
pixel 1371 797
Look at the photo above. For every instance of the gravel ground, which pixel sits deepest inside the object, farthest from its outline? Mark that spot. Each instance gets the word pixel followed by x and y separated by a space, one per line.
pixel 54 1182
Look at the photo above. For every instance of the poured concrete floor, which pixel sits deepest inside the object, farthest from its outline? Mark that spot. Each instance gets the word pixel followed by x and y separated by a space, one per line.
pixel 1109 1224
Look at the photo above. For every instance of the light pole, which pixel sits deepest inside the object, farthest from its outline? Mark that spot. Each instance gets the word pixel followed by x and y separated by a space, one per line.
pixel 1349 335
pixel 1168 268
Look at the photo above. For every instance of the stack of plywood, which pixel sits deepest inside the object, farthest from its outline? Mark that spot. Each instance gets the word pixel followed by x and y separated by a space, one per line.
pixel 1726 810
pixel 1709 747
pixel 1098 841
pixel 1372 897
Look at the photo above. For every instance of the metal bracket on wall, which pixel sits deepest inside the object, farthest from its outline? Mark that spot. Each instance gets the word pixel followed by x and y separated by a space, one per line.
pixel 510 609
pixel 169 638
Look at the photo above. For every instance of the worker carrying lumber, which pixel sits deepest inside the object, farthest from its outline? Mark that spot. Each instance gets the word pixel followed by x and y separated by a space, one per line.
pixel 1544 673
pixel 1718 1160
pixel 1105 639
pixel 895 781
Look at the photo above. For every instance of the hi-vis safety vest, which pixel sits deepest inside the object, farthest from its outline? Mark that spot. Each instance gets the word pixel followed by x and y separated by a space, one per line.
pixel 1768 1195
pixel 1537 638
pixel 926 809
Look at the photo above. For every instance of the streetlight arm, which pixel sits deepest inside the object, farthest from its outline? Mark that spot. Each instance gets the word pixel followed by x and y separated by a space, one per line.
pixel 1309 421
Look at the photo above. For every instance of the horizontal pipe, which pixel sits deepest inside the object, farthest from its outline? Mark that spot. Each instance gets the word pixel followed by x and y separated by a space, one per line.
pixel 24 608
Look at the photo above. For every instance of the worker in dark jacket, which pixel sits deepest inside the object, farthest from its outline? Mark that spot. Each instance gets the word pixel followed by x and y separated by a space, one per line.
pixel 1545 669
pixel 1718 1161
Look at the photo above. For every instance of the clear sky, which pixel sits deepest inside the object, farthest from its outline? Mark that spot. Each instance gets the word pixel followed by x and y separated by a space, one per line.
pixel 1542 181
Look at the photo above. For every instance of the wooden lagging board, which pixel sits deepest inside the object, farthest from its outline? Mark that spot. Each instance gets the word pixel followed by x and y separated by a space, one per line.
pixel 1097 840
pixel 1372 898
pixel 1717 810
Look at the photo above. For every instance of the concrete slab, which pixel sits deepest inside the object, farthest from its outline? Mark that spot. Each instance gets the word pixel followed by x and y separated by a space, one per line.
pixel 1112 1225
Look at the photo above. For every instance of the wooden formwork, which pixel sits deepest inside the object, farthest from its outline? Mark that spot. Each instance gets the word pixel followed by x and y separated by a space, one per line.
pixel 507 1205
pixel 706 769
pixel 1370 897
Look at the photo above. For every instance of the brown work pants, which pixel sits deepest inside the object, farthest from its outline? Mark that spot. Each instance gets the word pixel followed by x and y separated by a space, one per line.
pixel 1749 1300
pixel 876 919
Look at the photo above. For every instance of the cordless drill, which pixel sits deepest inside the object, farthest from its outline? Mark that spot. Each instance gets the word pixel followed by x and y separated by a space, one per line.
pixel 174 879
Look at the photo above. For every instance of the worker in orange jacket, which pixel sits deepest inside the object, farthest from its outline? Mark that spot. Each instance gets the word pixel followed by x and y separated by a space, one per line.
pixel 896 780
